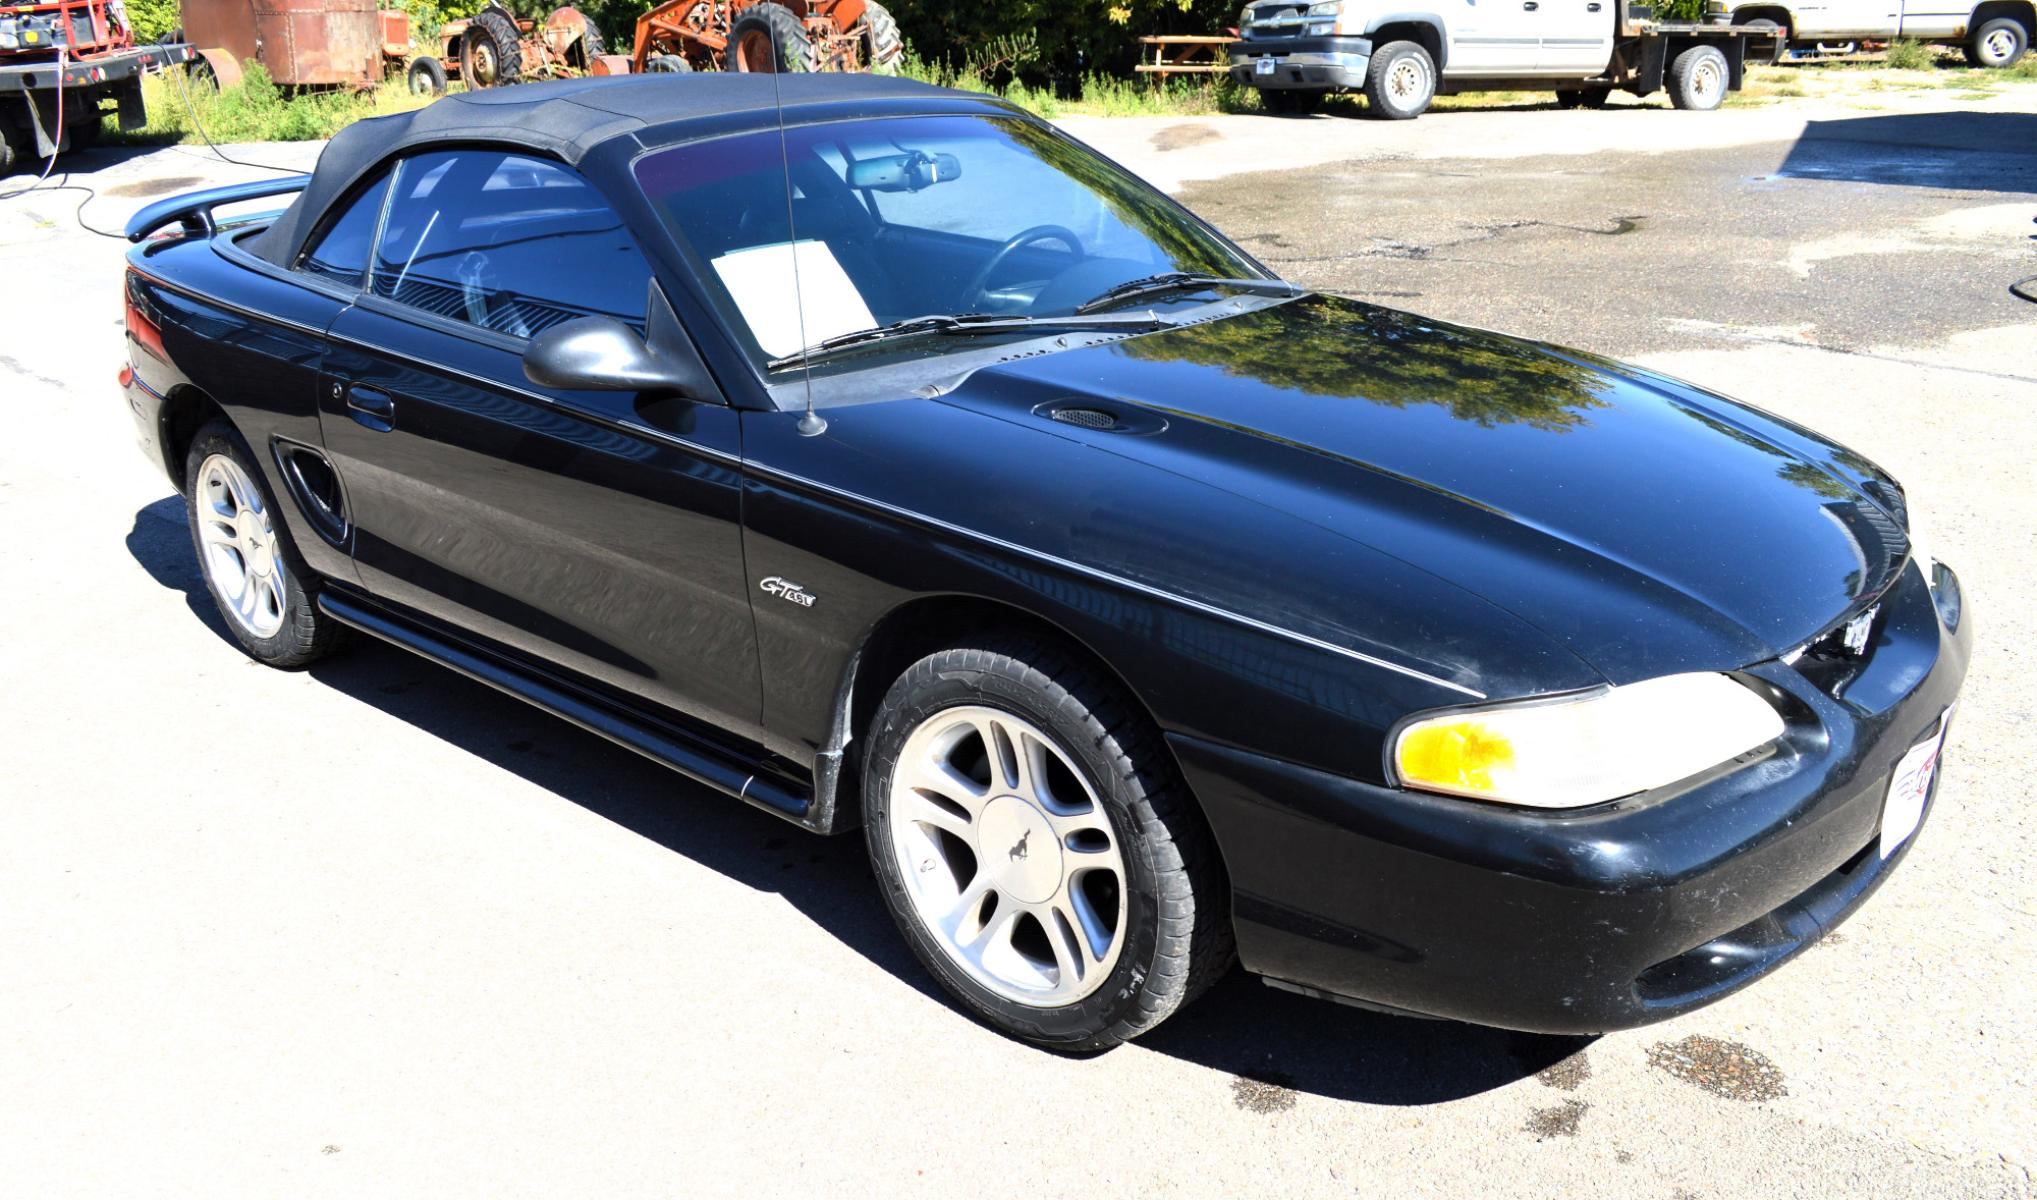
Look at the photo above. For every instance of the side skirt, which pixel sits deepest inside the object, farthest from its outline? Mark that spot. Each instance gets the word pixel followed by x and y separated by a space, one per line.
pixel 692 756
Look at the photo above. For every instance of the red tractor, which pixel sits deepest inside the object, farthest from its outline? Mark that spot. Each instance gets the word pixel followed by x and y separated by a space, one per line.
pixel 767 35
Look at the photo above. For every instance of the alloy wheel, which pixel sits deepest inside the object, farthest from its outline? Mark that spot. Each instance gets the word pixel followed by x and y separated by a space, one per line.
pixel 1008 856
pixel 240 549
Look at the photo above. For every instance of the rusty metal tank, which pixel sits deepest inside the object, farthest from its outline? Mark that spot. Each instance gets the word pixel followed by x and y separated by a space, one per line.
pixel 302 43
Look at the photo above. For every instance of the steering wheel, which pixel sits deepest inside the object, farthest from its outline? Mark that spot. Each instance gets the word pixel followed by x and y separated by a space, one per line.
pixel 973 294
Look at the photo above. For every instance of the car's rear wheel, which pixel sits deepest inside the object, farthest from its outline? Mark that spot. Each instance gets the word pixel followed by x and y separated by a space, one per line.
pixel 1998 43
pixel 1037 846
pixel 262 587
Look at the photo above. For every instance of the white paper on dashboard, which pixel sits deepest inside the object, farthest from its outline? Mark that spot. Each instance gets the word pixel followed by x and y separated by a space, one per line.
pixel 761 281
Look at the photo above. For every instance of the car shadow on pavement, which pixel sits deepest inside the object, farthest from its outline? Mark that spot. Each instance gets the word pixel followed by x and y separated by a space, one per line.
pixel 1265 1039
pixel 1960 151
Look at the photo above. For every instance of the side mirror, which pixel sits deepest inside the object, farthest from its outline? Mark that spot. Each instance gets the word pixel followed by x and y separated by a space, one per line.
pixel 601 354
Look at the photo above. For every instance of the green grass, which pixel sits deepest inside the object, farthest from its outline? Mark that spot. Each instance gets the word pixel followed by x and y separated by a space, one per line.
pixel 1906 54
pixel 255 110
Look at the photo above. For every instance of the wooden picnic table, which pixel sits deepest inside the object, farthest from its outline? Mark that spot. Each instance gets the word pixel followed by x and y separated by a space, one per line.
pixel 1162 55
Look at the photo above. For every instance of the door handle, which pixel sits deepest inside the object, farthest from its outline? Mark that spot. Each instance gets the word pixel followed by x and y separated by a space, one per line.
pixel 1591 7
pixel 1531 6
pixel 376 410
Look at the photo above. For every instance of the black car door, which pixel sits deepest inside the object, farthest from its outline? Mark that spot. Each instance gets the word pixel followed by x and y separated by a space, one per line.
pixel 569 526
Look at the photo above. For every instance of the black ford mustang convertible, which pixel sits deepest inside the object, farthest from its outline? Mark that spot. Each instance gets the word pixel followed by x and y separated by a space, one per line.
pixel 879 456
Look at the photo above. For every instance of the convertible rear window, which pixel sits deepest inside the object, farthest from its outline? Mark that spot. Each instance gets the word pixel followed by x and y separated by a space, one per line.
pixel 342 254
pixel 507 242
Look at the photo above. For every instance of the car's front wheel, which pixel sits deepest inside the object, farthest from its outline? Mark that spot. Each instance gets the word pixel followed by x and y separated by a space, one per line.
pixel 254 573
pixel 1037 846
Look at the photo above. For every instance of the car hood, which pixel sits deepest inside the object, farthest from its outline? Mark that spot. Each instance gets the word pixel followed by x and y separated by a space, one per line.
pixel 1645 525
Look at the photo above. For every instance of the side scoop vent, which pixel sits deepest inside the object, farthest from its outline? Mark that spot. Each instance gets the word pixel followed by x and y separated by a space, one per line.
pixel 1088 418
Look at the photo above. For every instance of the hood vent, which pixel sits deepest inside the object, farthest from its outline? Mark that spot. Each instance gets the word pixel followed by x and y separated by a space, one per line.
pixel 1085 413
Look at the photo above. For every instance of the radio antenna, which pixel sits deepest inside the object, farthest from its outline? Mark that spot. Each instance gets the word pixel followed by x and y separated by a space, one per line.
pixel 811 424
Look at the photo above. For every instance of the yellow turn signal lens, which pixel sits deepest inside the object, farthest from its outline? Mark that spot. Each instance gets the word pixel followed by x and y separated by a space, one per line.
pixel 1460 754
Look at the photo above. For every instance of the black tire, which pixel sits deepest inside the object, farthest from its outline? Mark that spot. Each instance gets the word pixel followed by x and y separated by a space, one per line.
pixel 667 64
pixel 11 152
pixel 490 38
pixel 1697 79
pixel 1295 102
pixel 1583 97
pixel 1781 41
pixel 85 133
pixel 426 76
pixel 1998 44
pixel 1177 937
pixel 772 25
pixel 1400 81
pixel 582 53
pixel 883 45
pixel 306 635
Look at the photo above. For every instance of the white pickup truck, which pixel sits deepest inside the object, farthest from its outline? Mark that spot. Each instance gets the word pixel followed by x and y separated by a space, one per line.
pixel 1402 53
pixel 1994 33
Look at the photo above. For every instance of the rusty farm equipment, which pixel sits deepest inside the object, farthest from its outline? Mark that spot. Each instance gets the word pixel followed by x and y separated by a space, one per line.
pixel 494 47
pixel 765 35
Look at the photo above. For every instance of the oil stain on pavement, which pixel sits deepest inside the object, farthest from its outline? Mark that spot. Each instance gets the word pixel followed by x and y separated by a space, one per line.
pixel 1558 1121
pixel 1264 1097
pixel 1720 1067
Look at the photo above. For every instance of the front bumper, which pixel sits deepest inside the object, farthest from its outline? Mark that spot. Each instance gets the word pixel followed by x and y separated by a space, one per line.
pixel 1308 64
pixel 1608 917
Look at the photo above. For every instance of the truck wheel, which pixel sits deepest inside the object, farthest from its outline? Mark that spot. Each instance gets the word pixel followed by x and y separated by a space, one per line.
pixel 1400 81
pixel 489 53
pixel 1697 79
pixel 427 76
pixel 1037 846
pixel 1583 97
pixel 667 64
pixel 768 37
pixel 1293 101
pixel 1998 44
pixel 882 42
pixel 1773 29
pixel 262 587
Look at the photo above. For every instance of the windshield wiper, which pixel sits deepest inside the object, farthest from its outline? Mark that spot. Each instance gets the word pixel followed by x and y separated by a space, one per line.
pixel 963 324
pixel 1184 281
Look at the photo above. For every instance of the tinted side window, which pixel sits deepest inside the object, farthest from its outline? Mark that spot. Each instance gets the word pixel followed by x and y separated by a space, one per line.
pixel 342 254
pixel 506 242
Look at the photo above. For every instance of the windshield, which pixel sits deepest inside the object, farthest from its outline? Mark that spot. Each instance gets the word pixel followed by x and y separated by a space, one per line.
pixel 891 219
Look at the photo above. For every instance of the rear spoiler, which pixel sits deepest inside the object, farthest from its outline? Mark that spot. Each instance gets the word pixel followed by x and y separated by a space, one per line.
pixel 193 210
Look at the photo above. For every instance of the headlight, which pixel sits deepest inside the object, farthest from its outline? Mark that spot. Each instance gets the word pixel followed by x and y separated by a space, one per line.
pixel 1574 752
pixel 1920 548
pixel 1328 9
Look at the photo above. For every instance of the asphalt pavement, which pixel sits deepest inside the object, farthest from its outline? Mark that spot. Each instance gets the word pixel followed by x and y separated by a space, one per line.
pixel 373 929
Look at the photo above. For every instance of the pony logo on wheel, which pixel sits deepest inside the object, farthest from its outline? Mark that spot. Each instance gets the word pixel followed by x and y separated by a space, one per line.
pixel 1018 850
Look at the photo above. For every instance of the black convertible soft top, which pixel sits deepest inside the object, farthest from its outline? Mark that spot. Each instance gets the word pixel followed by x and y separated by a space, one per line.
pixel 564 119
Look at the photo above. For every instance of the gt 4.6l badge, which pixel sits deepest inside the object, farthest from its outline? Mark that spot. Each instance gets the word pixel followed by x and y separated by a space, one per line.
pixel 785 589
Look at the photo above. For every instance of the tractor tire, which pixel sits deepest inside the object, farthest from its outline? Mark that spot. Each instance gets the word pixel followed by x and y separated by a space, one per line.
pixel 883 46
pixel 667 64
pixel 426 76
pixel 1400 81
pixel 590 47
pixel 768 37
pixel 490 53
pixel 1697 79
pixel 1998 44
